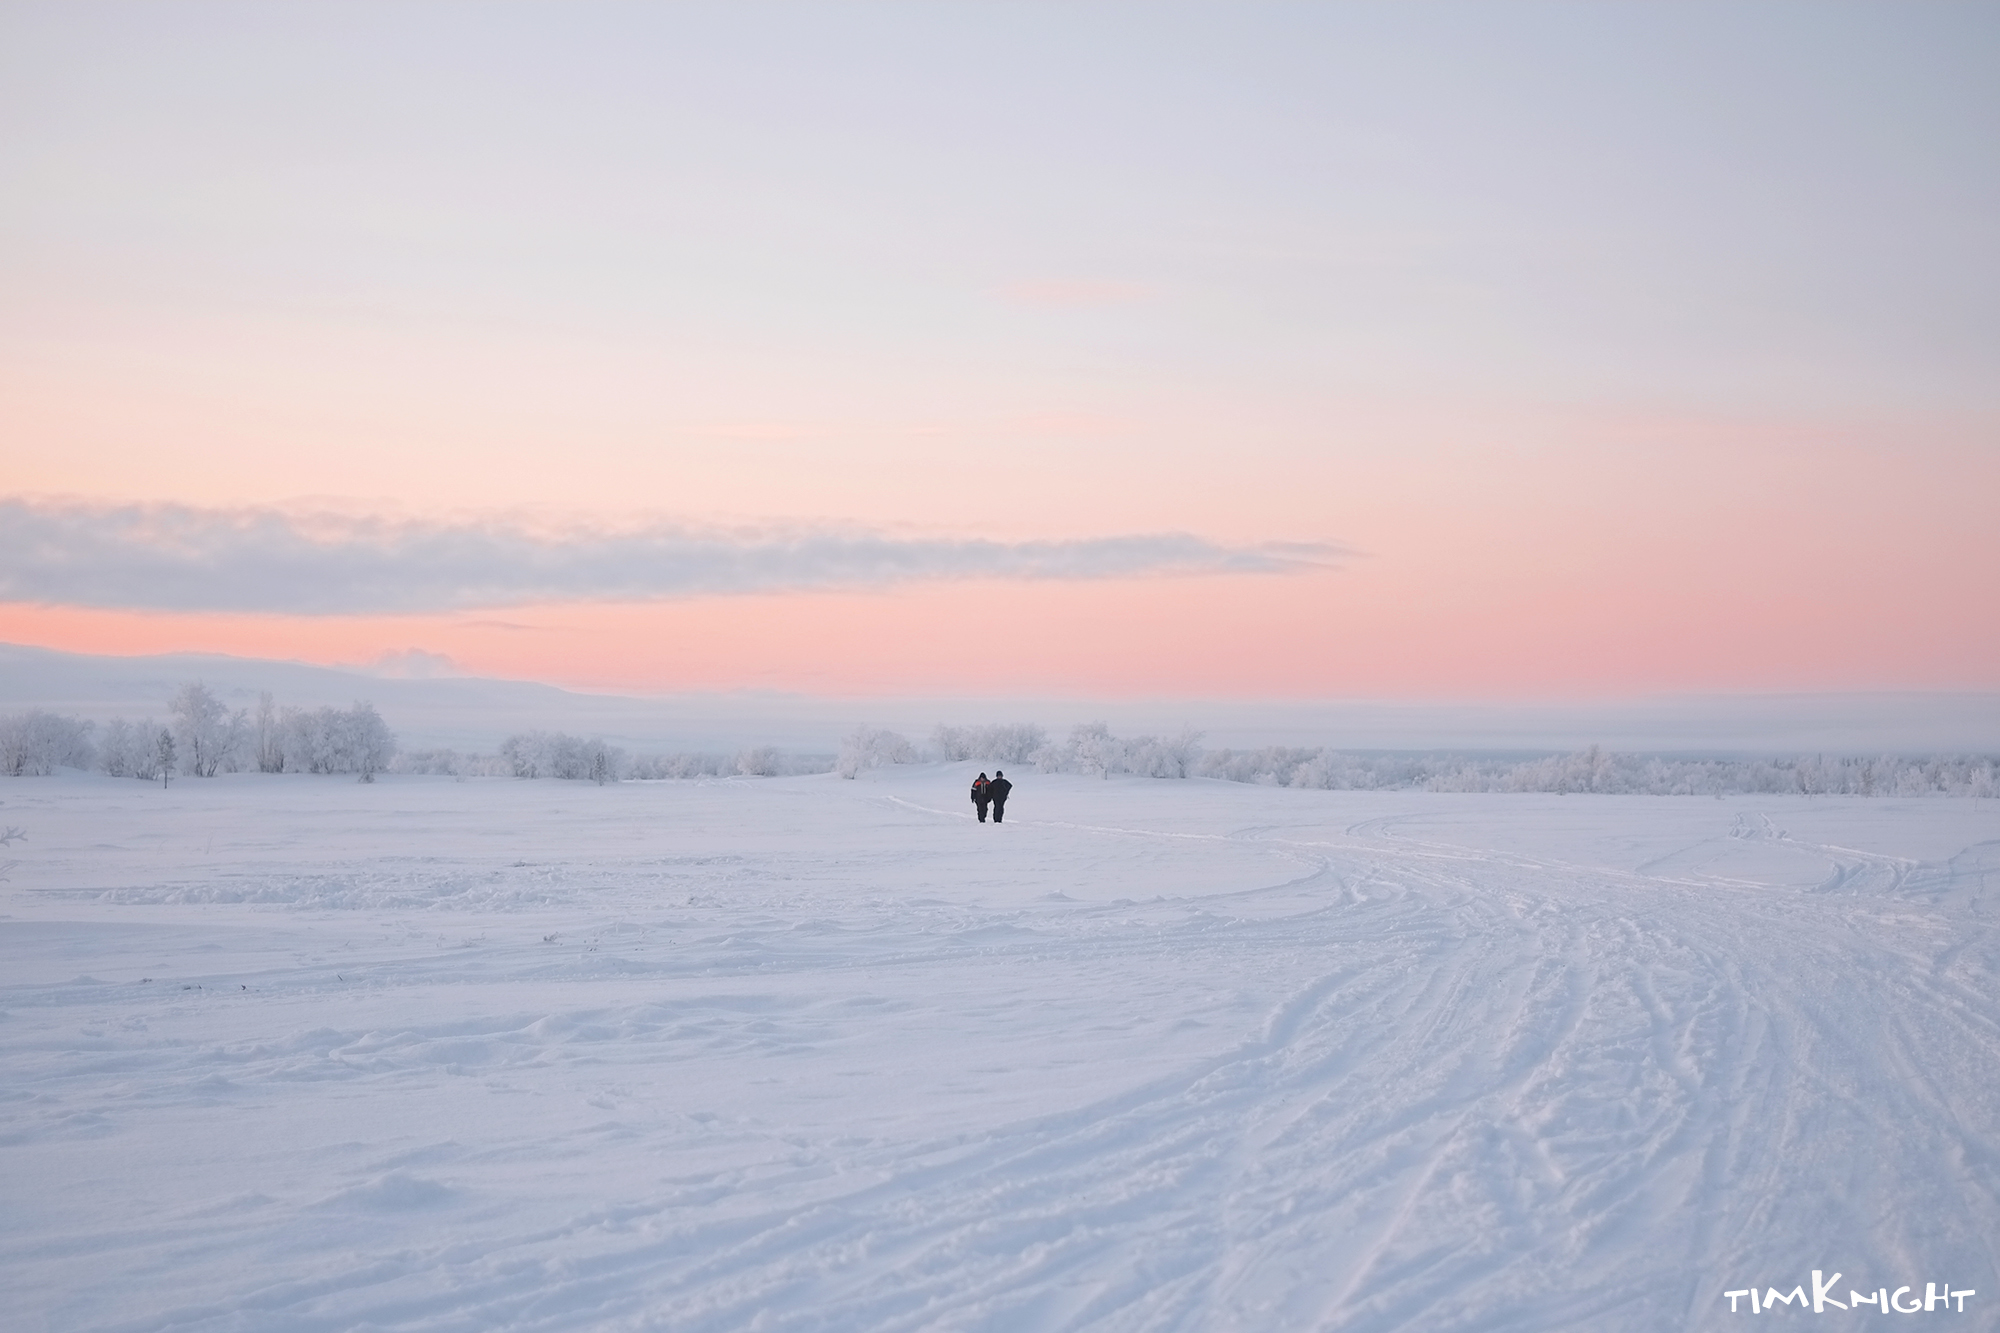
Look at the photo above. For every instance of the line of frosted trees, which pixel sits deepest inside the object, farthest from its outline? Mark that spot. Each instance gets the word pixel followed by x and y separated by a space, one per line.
pixel 557 754
pixel 1092 749
pixel 200 738
pixel 1089 748
pixel 1611 773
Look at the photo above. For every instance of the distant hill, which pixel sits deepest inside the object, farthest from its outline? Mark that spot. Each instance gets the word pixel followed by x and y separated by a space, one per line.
pixel 475 714
pixel 465 713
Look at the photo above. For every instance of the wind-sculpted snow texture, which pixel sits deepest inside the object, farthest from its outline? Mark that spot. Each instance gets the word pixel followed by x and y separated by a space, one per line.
pixel 294 1053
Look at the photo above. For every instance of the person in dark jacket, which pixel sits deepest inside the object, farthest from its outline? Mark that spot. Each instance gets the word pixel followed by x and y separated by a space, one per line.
pixel 979 796
pixel 996 791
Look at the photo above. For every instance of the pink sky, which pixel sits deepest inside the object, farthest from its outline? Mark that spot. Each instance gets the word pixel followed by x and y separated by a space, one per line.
pixel 1729 562
pixel 1605 395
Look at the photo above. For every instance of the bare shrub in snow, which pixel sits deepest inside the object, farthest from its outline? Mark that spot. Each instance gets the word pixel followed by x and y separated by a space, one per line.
pixel 36 743
pixel 871 747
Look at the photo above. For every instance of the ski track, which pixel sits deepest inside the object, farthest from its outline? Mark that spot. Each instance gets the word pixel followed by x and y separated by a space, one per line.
pixel 1445 1080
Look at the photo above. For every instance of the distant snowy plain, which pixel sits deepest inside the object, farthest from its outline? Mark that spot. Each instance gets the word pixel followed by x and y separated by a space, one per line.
pixel 300 1053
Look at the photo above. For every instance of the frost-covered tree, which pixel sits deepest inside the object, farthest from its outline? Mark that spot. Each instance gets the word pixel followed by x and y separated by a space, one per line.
pixel 129 751
pixel 368 743
pixel 38 743
pixel 555 754
pixel 1095 749
pixel 114 752
pixel 526 752
pixel 1007 743
pixel 762 761
pixel 310 739
pixel 268 736
pixel 871 747
pixel 1171 757
pixel 331 740
pixel 207 732
pixel 165 754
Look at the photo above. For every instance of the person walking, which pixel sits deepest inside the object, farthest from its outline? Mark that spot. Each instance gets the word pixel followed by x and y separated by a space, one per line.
pixel 979 796
pixel 996 791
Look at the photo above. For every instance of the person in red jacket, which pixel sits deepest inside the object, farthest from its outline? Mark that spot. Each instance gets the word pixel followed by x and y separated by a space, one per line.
pixel 979 796
pixel 996 791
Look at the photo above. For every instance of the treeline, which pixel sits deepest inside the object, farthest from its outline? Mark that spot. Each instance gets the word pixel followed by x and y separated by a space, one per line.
pixel 556 754
pixel 1092 749
pixel 1089 748
pixel 1610 773
pixel 201 738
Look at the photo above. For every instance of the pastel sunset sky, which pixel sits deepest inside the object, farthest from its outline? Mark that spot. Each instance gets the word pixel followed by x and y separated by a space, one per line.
pixel 1402 351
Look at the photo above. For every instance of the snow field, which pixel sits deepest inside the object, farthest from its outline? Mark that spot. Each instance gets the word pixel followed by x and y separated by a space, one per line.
pixel 297 1053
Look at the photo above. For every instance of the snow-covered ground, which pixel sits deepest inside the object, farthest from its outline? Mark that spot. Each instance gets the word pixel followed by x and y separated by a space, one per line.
pixel 297 1053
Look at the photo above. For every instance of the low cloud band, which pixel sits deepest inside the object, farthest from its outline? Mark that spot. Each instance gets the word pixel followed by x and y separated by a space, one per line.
pixel 186 558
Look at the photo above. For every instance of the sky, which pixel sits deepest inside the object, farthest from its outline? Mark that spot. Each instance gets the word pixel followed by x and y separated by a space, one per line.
pixel 1260 351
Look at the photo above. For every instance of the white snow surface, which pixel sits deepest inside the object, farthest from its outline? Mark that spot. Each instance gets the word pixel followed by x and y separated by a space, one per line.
pixel 294 1053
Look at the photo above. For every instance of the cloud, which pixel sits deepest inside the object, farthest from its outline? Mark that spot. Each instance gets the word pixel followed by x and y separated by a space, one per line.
pixel 182 558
